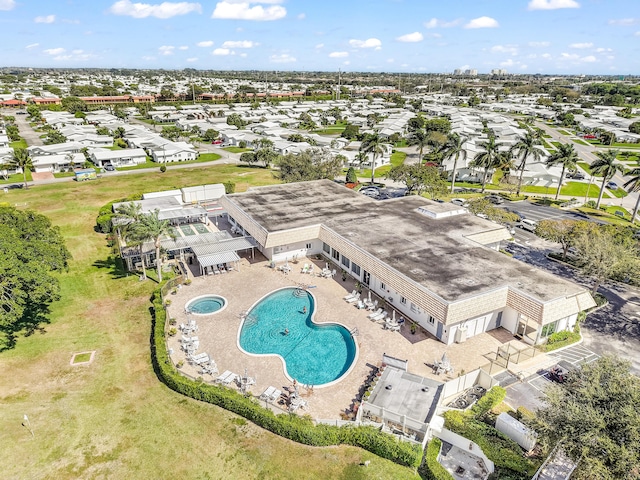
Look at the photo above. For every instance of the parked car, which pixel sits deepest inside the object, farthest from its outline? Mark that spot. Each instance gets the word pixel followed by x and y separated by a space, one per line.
pixel 576 175
pixel 109 168
pixel 560 371
pixel 612 185
pixel 495 199
pixel 461 202
pixel 370 192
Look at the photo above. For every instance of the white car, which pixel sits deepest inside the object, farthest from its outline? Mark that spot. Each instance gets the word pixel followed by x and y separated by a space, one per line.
pixel 461 202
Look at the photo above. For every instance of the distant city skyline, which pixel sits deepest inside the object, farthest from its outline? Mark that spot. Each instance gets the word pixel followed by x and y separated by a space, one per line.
pixel 420 36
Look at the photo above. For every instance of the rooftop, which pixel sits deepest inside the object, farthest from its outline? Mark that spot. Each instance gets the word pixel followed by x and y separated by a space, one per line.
pixel 437 253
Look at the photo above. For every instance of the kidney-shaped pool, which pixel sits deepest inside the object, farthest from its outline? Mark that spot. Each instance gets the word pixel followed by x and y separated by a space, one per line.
pixel 281 323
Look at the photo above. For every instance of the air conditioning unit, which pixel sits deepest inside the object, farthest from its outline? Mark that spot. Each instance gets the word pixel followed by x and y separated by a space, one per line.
pixel 461 335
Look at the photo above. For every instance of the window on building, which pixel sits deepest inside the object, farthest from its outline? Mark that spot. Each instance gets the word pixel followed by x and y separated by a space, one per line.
pixel 383 286
pixel 309 246
pixel 355 269
pixel 326 248
pixel 432 320
pixel 345 261
pixel 403 300
pixel 336 255
pixel 549 329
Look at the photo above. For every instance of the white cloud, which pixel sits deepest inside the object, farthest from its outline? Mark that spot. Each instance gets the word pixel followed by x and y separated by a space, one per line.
pixel 162 10
pixel 346 62
pixel 192 59
pixel 222 52
pixel 205 43
pixel 411 37
pixel 569 56
pixel 32 45
pixel 602 50
pixel 552 4
pixel 243 54
pixel 320 45
pixel 45 19
pixel 391 60
pixel 625 22
pixel 588 59
pixel 301 16
pixel 7 4
pixel 54 51
pixel 239 44
pixel 507 63
pixel 637 34
pixel 437 23
pixel 339 54
pixel 183 47
pixel 368 43
pixel 434 35
pixel 510 49
pixel 282 58
pixel 166 50
pixel 546 55
pixel 539 44
pixel 581 45
pixel 243 10
pixel 482 22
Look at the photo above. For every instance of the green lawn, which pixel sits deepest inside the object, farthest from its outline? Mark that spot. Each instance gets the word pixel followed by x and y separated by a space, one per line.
pixel 63 174
pixel 114 147
pixel 16 178
pixel 563 132
pixel 573 189
pixel 113 418
pixel 331 129
pixel 585 166
pixel 626 145
pixel 579 142
pixel 608 215
pixel 556 144
pixel 22 143
pixel 204 157
pixel 397 158
pixel 236 149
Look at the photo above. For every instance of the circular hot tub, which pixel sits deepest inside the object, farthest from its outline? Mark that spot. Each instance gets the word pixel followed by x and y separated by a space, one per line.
pixel 206 305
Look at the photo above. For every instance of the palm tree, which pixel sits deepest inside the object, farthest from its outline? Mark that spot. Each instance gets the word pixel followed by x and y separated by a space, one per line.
pixel 453 149
pixel 527 145
pixel 374 145
pixel 21 159
pixel 565 156
pixel 634 186
pixel 606 166
pixel 490 158
pixel 420 139
pixel 150 227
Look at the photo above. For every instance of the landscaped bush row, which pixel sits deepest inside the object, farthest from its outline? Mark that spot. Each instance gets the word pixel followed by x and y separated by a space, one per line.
pixel 490 400
pixel 293 427
pixel 562 339
pixel 501 450
pixel 433 470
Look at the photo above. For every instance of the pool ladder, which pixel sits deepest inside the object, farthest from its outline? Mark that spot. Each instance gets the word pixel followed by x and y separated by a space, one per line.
pixel 298 292
pixel 250 320
pixel 354 332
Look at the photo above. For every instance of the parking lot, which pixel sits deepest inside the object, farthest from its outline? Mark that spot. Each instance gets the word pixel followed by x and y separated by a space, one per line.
pixel 530 392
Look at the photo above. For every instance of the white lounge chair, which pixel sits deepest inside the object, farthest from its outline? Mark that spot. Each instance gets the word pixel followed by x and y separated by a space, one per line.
pixel 360 305
pixel 351 295
pixel 374 314
pixel 354 299
pixel 379 317
pixel 230 378
pixel 305 268
pixel 266 395
pixel 275 395
pixel 224 375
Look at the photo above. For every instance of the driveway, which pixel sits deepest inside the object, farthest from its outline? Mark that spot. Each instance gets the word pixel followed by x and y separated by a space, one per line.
pixel 26 132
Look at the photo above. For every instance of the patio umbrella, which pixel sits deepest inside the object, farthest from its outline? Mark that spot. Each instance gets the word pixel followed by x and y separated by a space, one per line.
pixel 369 295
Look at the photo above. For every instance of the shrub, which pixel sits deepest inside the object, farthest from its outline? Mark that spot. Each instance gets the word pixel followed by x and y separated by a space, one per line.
pixel 490 400
pixel 351 176
pixel 433 470
pixel 562 339
pixel 163 168
pixel 293 427
pixel 229 187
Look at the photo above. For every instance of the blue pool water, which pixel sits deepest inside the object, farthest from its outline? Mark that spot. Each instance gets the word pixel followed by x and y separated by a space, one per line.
pixel 313 354
pixel 206 304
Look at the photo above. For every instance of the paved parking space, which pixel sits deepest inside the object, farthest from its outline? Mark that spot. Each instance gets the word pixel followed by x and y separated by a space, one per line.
pixel 577 355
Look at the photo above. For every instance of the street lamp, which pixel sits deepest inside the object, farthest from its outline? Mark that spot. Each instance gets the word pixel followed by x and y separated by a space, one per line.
pixel 27 424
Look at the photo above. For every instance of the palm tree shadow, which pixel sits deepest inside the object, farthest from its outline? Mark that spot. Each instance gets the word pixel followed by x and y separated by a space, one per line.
pixel 115 265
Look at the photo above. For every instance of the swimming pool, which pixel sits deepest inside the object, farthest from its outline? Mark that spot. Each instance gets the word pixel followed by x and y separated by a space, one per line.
pixel 206 304
pixel 281 323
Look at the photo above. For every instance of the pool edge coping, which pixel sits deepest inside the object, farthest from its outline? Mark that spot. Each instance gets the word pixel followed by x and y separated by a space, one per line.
pixel 199 297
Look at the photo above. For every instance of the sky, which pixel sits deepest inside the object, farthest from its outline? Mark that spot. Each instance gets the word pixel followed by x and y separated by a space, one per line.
pixel 423 36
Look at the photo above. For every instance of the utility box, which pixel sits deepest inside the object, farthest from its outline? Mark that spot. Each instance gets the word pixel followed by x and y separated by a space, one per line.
pixel 460 335
pixel 85 174
pixel 516 431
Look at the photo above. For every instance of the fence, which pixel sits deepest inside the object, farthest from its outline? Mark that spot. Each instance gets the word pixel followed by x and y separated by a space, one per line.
pixel 464 382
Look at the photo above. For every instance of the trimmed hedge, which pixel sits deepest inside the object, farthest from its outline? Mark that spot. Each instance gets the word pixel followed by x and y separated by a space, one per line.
pixel 105 214
pixel 293 427
pixel 490 400
pixel 434 470
pixel 562 339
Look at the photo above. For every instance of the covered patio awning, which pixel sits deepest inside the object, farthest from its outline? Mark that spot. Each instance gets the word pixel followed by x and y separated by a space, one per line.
pixel 217 258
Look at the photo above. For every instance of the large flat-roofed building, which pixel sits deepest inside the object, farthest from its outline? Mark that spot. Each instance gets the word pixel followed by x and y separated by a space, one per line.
pixel 436 264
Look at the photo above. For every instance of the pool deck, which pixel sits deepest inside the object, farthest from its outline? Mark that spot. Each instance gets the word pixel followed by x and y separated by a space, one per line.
pixel 218 334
